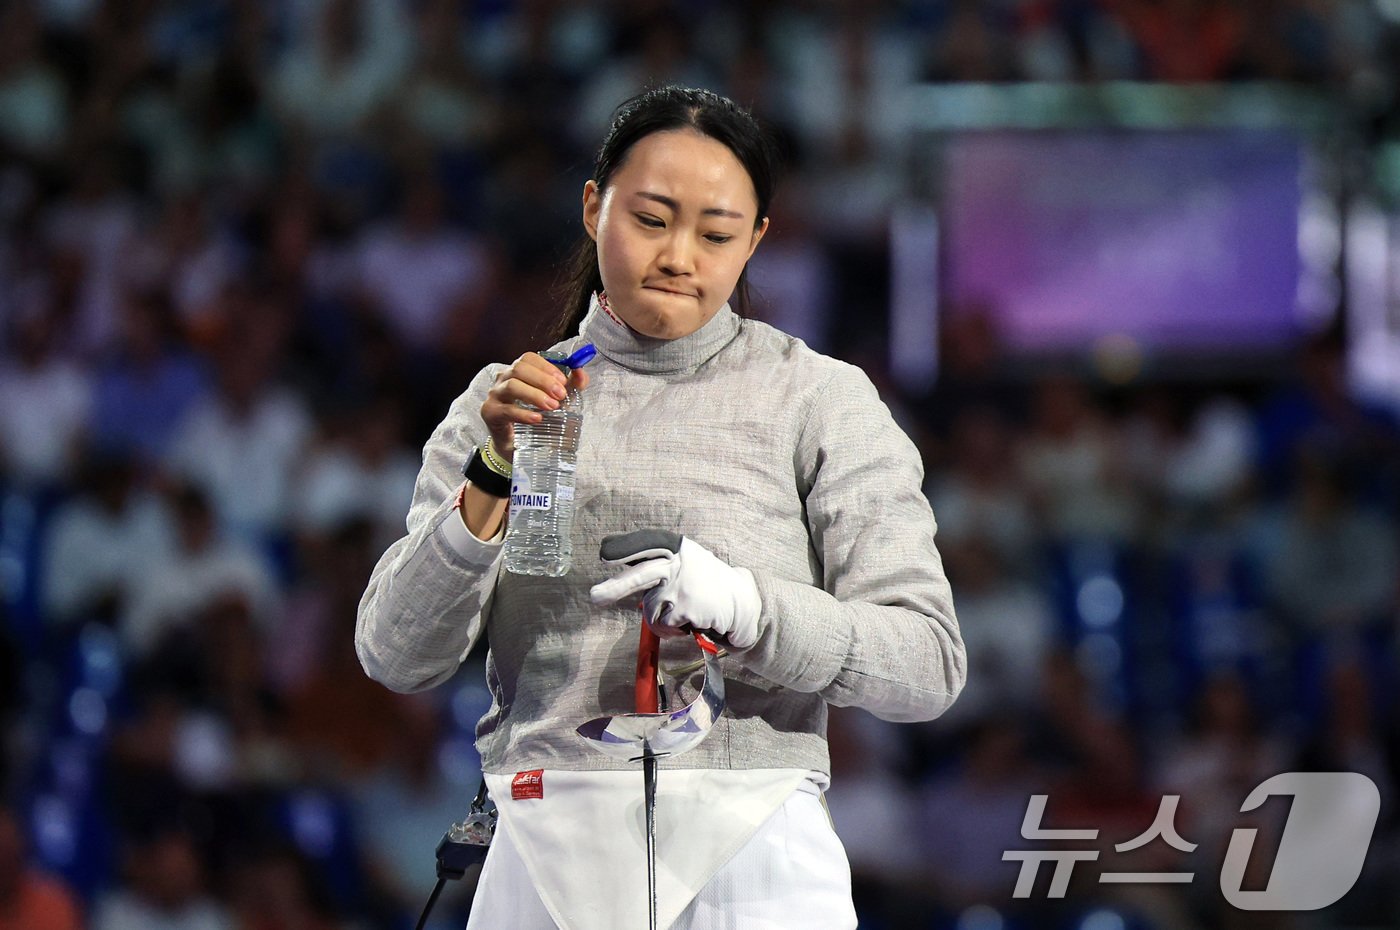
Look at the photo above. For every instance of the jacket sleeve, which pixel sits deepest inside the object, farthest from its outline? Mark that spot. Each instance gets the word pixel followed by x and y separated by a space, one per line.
pixel 880 633
pixel 429 595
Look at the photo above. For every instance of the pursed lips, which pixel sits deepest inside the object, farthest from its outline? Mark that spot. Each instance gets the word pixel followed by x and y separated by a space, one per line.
pixel 666 290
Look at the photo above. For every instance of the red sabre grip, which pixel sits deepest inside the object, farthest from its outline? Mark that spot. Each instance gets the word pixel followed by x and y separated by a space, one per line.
pixel 648 651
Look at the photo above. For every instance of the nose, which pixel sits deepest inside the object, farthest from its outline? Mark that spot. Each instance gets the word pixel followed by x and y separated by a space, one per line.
pixel 677 255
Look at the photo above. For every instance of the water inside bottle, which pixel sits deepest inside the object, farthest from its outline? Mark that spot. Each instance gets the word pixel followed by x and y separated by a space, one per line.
pixel 539 541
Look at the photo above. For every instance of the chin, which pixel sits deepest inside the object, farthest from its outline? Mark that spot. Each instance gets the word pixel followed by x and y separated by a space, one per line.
pixel 666 322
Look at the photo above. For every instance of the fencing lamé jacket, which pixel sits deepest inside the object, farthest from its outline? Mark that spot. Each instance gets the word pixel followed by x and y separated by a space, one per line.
pixel 774 457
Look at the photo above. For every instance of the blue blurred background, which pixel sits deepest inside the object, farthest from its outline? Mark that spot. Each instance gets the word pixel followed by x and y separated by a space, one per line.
pixel 1127 270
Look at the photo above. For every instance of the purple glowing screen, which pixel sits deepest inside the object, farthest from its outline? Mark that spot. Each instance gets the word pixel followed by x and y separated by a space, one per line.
pixel 1178 240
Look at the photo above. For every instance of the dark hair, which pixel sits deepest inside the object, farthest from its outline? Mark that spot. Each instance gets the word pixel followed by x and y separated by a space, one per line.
pixel 660 110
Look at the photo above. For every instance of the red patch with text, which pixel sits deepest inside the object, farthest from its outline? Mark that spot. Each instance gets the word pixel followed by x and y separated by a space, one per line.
pixel 527 785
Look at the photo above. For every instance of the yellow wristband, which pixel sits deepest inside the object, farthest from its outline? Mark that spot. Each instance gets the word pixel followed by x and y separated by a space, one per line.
pixel 493 459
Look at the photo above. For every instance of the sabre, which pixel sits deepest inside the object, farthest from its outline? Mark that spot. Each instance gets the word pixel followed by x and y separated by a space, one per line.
pixel 651 733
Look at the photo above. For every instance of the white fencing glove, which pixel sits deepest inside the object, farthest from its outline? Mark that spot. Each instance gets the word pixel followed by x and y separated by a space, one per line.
pixel 687 587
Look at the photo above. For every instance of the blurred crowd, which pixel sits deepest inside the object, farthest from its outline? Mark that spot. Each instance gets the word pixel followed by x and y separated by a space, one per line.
pixel 250 251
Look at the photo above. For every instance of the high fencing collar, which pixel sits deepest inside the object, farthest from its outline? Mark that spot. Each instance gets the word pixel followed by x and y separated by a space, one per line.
pixel 625 346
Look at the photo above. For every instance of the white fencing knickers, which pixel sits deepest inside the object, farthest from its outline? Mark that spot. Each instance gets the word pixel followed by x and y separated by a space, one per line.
pixel 791 874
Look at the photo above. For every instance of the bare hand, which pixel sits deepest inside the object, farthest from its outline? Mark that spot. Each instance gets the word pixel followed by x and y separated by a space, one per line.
pixel 529 380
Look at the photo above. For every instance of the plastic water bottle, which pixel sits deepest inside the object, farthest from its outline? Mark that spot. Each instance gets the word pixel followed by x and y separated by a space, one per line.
pixel 539 538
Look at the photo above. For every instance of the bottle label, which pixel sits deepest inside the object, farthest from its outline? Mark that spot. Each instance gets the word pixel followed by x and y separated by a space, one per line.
pixel 522 497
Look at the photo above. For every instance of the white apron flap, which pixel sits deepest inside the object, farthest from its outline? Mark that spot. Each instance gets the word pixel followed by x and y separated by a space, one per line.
pixel 583 842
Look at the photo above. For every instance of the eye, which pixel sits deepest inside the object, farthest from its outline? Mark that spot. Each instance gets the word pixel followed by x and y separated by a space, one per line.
pixel 649 221
pixel 718 239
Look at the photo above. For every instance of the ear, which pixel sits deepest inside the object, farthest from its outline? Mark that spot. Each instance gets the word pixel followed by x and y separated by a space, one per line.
pixel 757 237
pixel 592 208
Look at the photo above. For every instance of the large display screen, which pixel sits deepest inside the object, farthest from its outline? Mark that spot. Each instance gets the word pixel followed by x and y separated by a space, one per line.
pixel 1179 241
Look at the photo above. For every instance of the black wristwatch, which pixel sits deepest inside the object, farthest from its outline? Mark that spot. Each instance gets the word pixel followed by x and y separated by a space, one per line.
pixel 482 476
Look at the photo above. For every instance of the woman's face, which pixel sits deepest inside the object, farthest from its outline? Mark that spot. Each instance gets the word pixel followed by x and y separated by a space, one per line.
pixel 674 229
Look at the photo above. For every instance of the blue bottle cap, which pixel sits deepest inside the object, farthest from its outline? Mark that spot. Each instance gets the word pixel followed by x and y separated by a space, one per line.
pixel 581 356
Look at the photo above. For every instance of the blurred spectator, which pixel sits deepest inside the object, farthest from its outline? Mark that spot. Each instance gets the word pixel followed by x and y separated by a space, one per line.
pixel 532 209
pixel 968 817
pixel 277 889
pixel 228 736
pixel 29 899
pixel 1314 411
pixel 33 99
pixel 444 100
pixel 539 54
pixel 91 231
pixel 752 79
pixel 404 806
pixel 167 751
pixel 870 801
pixel 204 567
pixel 1280 42
pixel 335 81
pixel 1071 464
pixel 843 71
pixel 146 385
pixel 335 568
pixel 791 278
pixel 242 444
pixel 423 276
pixel 1184 40
pixel 1106 790
pixel 188 256
pixel 363 472
pixel 164 887
pixel 1333 571
pixel 206 128
pixel 1215 765
pixel 45 402
pixel 652 45
pixel 1068 708
pixel 1356 36
pixel 322 707
pixel 973 374
pixel 311 245
pixel 980 496
pixel 1215 602
pixel 1357 732
pixel 1350 736
pixel 1196 465
pixel 1009 629
pixel 103 543
pixel 859 189
pixel 972 46
pixel 1069 40
pixel 25 286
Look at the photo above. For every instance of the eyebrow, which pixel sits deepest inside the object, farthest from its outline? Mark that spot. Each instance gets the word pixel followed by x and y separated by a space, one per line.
pixel 670 202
